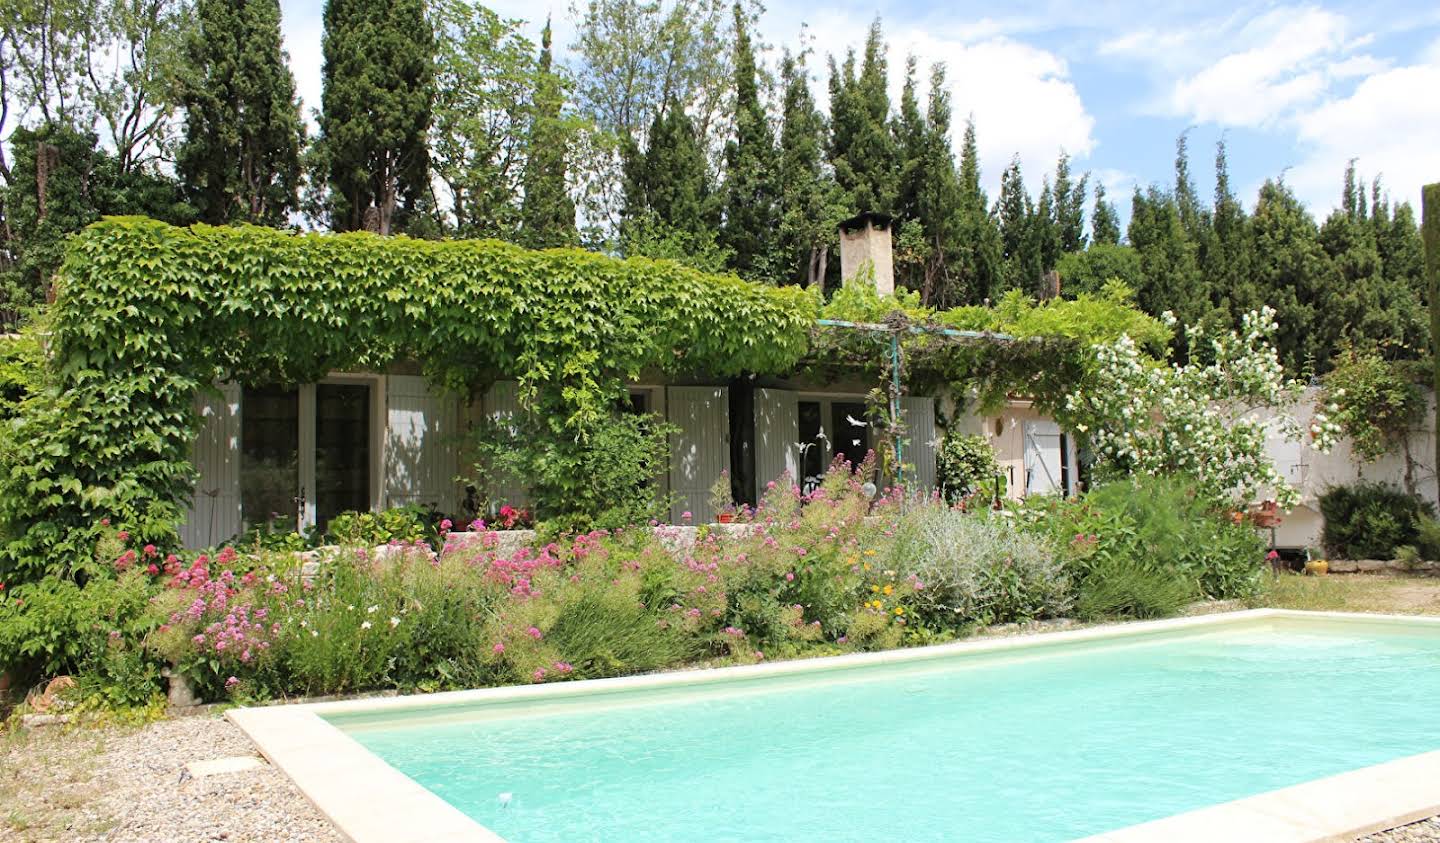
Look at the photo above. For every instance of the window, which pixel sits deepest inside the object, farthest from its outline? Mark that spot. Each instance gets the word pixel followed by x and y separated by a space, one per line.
pixel 813 452
pixel 850 431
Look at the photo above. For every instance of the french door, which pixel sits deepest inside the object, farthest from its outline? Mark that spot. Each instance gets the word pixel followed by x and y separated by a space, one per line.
pixel 309 453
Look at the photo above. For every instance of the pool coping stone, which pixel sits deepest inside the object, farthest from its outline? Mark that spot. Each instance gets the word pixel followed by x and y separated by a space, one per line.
pixel 368 800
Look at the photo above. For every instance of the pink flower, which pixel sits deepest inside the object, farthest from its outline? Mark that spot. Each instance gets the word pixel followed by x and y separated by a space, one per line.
pixel 789 576
pixel 152 569
pixel 759 655
pixel 685 515
pixel 563 667
pixel 535 633
pixel 539 674
pixel 123 536
pixel 231 682
pixel 151 551
pixel 498 648
pixel 114 635
pixel 104 522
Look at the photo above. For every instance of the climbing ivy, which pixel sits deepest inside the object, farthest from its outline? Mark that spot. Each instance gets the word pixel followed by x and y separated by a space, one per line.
pixel 146 314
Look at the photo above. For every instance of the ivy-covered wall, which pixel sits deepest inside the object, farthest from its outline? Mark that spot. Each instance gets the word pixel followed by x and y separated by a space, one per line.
pixel 147 313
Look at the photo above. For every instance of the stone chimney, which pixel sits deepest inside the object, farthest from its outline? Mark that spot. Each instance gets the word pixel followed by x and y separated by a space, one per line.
pixel 865 250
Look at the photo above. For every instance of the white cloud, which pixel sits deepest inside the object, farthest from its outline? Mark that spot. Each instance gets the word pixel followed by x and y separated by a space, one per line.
pixel 1290 61
pixel 1389 123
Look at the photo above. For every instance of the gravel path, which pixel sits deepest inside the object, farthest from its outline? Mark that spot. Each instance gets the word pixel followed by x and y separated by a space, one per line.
pixel 124 784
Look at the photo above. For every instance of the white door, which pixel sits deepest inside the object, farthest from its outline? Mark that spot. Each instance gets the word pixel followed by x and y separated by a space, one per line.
pixel 1043 474
pixel 214 513
pixel 919 456
pixel 700 450
pixel 422 441
pixel 777 437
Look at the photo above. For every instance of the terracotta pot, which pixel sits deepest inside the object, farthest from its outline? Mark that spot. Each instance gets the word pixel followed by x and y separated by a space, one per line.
pixel 1317 567
pixel 725 517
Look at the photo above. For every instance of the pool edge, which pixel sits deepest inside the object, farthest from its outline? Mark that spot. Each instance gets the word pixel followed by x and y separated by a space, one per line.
pixel 368 800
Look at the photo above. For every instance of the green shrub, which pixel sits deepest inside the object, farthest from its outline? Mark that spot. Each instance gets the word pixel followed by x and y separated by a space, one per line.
pixel 976 568
pixel 1160 524
pixel 405 524
pixel 1119 589
pixel 604 482
pixel 1369 520
pixel 965 464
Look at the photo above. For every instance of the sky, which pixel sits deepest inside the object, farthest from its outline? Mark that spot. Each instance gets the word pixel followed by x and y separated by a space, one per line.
pixel 1295 91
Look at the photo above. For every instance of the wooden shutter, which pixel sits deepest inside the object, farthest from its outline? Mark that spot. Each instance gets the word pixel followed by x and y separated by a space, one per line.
pixel 777 437
pixel 422 429
pixel 1042 458
pixel 919 415
pixel 502 406
pixel 214 513
pixel 701 448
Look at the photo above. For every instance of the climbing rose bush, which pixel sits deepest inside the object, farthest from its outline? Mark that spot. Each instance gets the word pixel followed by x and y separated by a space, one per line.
pixel 1208 418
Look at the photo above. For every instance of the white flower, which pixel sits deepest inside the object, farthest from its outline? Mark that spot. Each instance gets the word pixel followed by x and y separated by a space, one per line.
pixel 314 634
pixel 371 610
pixel 394 621
pixel 350 608
pixel 365 625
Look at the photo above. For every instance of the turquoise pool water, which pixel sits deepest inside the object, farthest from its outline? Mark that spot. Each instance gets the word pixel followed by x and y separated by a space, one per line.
pixel 1055 744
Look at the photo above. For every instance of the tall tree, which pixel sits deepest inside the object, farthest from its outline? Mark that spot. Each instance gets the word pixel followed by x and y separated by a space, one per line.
pixel 810 203
pixel 1225 258
pixel 1070 206
pixel 547 217
pixel 1104 222
pixel 1172 279
pixel 978 263
pixel 378 79
pixel 1295 277
pixel 488 103
pixel 751 214
pixel 1013 212
pixel 240 157
pixel 863 150
pixel 1430 235
pixel 670 211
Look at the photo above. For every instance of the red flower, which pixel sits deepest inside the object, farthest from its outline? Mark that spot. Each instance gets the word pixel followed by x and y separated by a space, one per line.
pixel 151 551
pixel 123 535
pixel 104 522
pixel 152 569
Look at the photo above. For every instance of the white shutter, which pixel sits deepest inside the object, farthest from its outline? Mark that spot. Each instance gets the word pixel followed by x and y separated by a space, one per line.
pixel 919 415
pixel 701 448
pixel 502 406
pixel 214 514
pixel 777 436
pixel 1042 458
pixel 422 428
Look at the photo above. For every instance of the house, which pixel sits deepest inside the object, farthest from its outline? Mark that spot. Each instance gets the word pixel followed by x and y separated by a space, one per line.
pixel 374 440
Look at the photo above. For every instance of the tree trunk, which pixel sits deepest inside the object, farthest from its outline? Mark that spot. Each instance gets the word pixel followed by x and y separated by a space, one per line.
pixel 1430 233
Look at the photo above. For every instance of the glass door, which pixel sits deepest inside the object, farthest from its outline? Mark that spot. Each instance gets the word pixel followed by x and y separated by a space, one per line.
pixel 342 450
pixel 270 457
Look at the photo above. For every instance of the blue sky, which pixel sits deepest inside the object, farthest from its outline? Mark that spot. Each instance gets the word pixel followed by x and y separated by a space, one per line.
pixel 1295 89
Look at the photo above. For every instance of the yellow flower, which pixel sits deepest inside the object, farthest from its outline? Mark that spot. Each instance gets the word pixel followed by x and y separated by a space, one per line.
pixel 889 588
pixel 899 610
pixel 874 588
pixel 869 553
pixel 867 566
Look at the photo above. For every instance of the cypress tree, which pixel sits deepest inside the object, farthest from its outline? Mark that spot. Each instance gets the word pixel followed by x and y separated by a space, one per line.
pixel 810 202
pixel 978 265
pixel 1104 222
pixel 863 149
pixel 1430 236
pixel 1070 206
pixel 1013 210
pixel 1226 261
pixel 751 217
pixel 240 155
pixel 375 111
pixel 1295 277
pixel 669 210
pixel 547 214
pixel 1172 280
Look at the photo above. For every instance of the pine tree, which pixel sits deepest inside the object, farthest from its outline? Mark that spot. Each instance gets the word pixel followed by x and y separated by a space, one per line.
pixel 810 202
pixel 751 215
pixel 1104 222
pixel 240 155
pixel 375 110
pixel 910 133
pixel 1013 212
pixel 1296 278
pixel 547 215
pixel 1045 232
pixel 669 210
pixel 1187 202
pixel 1226 260
pixel 1171 278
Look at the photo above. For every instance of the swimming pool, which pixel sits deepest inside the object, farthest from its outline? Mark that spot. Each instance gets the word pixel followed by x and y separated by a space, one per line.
pixel 1052 738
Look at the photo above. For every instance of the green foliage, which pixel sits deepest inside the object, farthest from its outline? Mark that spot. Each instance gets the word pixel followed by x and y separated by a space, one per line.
pixel 863 150
pixel 810 203
pixel 1091 270
pixel 406 524
pixel 1377 401
pixel 547 216
pixel 1123 589
pixel 376 103
pixel 965 464
pixel 604 483
pixel 240 158
pixel 751 213
pixel 1161 526
pixel 1369 520
pixel 669 208
pixel 146 314
pixel 56 626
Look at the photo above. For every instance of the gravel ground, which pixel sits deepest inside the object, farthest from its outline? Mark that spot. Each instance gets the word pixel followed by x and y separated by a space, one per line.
pixel 124 784
pixel 1424 830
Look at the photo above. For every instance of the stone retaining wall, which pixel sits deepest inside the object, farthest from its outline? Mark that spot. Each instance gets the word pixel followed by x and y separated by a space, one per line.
pixel 1378 566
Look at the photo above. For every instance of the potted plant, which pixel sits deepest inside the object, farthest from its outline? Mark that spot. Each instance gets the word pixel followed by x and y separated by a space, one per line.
pixel 720 501
pixel 1315 564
